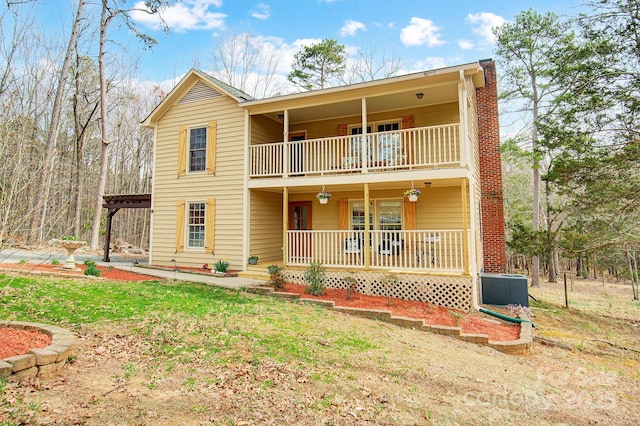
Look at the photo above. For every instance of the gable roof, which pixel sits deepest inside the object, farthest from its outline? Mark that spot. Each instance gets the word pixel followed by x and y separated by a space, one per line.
pixel 187 82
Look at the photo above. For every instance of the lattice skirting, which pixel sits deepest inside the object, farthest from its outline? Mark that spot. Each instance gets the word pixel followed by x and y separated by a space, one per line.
pixel 453 292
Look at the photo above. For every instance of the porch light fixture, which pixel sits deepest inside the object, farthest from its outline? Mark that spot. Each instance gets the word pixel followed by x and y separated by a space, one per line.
pixel 281 116
pixel 419 96
pixel 427 184
pixel 323 196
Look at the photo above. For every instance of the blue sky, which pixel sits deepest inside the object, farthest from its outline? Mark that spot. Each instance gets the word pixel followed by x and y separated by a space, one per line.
pixel 427 34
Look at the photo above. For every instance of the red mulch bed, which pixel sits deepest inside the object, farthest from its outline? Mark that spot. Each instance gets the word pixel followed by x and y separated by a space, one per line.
pixel 113 274
pixel 17 342
pixel 432 314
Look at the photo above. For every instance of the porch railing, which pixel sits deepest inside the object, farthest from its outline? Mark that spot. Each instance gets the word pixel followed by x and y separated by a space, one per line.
pixel 399 149
pixel 440 250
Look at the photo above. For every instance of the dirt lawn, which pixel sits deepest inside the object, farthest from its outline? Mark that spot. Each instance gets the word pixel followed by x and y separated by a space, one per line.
pixel 408 377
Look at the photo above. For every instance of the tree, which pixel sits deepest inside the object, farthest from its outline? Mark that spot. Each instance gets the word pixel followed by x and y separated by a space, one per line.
pixel 370 64
pixel 45 171
pixel 318 65
pixel 107 14
pixel 524 48
pixel 247 63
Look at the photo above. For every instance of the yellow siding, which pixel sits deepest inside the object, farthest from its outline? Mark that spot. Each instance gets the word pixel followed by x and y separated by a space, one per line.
pixel 436 208
pixel 427 116
pixel 225 185
pixel 265 130
pixel 266 226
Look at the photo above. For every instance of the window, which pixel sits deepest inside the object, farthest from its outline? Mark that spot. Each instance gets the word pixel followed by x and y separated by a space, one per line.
pixel 384 215
pixel 357 216
pixel 196 225
pixel 389 215
pixel 387 148
pixel 198 149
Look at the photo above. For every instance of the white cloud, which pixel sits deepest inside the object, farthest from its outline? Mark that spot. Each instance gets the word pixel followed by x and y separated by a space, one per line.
pixel 484 22
pixel 421 31
pixel 262 11
pixel 465 44
pixel 183 16
pixel 351 27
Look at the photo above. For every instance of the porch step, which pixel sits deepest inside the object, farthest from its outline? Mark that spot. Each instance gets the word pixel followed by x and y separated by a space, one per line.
pixel 255 275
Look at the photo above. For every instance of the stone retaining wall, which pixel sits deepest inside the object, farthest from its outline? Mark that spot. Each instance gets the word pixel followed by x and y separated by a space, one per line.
pixel 38 362
pixel 521 346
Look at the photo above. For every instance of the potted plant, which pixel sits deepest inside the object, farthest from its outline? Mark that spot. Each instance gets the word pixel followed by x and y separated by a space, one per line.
pixel 253 260
pixel 323 196
pixel 412 194
pixel 221 267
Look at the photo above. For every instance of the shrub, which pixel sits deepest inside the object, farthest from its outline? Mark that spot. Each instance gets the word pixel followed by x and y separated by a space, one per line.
pixel 351 284
pixel 55 262
pixel 221 265
pixel 316 276
pixel 91 268
pixel 277 280
pixel 389 282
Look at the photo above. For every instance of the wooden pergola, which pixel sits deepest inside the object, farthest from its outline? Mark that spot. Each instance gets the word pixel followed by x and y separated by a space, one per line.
pixel 113 203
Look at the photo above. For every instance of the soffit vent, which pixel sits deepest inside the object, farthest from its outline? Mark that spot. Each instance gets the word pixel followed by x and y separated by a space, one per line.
pixel 199 92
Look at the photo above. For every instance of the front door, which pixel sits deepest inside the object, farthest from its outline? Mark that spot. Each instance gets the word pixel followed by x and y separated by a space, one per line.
pixel 300 220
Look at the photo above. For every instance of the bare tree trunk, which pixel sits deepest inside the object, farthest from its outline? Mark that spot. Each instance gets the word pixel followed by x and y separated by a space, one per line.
pixel 104 130
pixel 45 172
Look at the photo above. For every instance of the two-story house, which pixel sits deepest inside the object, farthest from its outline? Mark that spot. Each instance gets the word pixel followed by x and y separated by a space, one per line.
pixel 236 177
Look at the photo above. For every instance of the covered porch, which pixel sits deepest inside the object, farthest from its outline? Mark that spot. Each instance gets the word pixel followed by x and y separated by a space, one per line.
pixel 366 227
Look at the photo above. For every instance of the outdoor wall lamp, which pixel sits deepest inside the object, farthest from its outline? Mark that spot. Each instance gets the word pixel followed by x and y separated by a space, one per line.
pixel 419 96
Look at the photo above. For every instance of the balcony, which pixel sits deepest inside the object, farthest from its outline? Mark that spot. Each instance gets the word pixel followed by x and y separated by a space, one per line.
pixel 424 250
pixel 408 149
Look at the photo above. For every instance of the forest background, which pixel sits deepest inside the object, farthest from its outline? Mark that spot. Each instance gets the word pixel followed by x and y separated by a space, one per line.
pixel 70 113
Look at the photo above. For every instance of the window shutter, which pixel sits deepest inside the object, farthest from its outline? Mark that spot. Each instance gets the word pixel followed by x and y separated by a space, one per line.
pixel 212 129
pixel 343 213
pixel 180 226
pixel 210 226
pixel 182 151
pixel 409 215
pixel 407 122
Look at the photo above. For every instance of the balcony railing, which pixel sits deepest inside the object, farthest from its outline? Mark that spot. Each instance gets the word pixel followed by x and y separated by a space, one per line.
pixel 399 149
pixel 441 250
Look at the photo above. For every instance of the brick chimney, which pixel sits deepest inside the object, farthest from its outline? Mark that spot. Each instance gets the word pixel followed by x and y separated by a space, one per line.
pixel 492 198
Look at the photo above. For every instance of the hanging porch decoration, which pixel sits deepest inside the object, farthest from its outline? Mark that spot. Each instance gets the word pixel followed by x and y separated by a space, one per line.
pixel 412 193
pixel 323 196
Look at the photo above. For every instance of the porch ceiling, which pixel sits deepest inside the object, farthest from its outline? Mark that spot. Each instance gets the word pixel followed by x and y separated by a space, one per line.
pixel 379 102
pixel 399 185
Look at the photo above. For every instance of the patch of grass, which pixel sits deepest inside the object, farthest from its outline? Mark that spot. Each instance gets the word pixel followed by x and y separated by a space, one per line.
pixel 182 322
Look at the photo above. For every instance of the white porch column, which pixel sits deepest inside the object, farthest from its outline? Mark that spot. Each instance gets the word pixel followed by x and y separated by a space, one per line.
pixel 285 148
pixel 367 231
pixel 364 143
pixel 464 118
pixel 465 225
pixel 285 223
